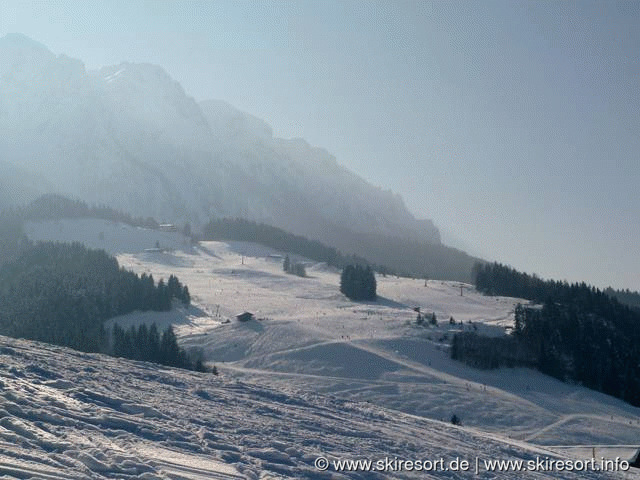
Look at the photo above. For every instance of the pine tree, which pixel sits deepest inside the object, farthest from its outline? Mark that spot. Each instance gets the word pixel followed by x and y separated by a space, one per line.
pixel 169 351
pixel 370 282
pixel 299 270
pixel 162 302
pixel 519 319
pixel 142 343
pixel 455 347
pixel 175 290
pixel 154 344
pixel 186 297
pixel 118 341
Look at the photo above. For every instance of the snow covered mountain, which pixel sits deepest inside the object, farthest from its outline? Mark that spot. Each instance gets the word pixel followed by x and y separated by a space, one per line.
pixel 129 136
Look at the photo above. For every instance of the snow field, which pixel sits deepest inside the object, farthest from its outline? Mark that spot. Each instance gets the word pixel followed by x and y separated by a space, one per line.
pixel 373 351
pixel 370 356
pixel 86 416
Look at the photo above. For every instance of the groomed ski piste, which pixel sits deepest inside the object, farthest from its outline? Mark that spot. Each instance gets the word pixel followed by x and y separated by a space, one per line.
pixel 313 375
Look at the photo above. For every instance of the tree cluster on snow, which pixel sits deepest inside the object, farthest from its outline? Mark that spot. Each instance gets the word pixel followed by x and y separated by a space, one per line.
pixel 63 293
pixel 491 352
pixel 147 344
pixel 358 282
pixel 294 268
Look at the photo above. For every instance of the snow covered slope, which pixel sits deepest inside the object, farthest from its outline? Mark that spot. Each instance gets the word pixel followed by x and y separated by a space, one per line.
pixel 112 237
pixel 364 362
pixel 68 415
pixel 314 337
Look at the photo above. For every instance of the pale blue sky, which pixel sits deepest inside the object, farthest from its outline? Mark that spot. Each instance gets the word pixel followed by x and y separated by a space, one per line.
pixel 513 125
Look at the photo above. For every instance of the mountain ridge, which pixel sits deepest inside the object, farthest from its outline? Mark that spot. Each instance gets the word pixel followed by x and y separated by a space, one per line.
pixel 132 124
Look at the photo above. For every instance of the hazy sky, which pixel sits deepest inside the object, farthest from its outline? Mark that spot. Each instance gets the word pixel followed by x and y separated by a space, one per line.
pixel 513 125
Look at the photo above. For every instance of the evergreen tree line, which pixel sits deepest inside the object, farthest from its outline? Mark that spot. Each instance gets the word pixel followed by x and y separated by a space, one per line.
pixel 580 334
pixel 491 352
pixel 358 282
pixel 147 344
pixel 432 319
pixel 294 268
pixel 601 350
pixel 245 230
pixel 409 257
pixel 56 207
pixel 497 279
pixel 386 254
pixel 63 293
pixel 625 296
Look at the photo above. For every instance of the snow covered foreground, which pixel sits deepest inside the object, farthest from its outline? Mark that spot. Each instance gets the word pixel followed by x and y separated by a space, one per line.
pixel 316 375
pixel 66 415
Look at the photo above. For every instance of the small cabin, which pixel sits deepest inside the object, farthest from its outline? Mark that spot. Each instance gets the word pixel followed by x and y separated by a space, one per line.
pixel 244 316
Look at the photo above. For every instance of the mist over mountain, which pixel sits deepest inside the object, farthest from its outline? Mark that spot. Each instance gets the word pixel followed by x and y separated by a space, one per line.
pixel 128 136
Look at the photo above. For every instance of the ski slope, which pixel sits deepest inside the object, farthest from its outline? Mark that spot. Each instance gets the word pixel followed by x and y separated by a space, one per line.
pixel 354 363
pixel 69 415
